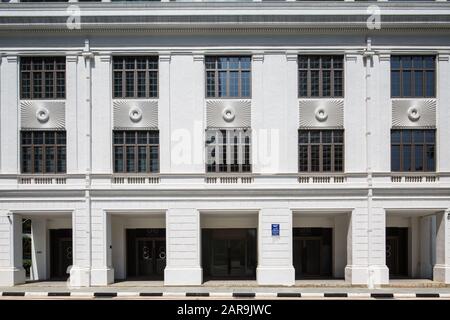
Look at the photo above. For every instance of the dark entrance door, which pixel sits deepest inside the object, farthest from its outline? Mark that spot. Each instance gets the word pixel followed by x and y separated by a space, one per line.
pixel 229 253
pixel 397 252
pixel 61 253
pixel 312 252
pixel 146 253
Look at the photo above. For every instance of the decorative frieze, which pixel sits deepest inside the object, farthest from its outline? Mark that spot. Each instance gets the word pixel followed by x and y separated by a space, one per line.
pixel 40 114
pixel 321 113
pixel 132 114
pixel 228 113
pixel 417 113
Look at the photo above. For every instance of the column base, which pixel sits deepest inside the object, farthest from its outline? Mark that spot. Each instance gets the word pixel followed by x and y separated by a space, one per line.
pixel 80 277
pixel 183 276
pixel 441 273
pixel 11 276
pixel 102 276
pixel 370 276
pixel 284 276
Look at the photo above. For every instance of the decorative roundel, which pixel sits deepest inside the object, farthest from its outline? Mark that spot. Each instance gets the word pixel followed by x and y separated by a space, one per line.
pixel 42 115
pixel 321 114
pixel 135 114
pixel 228 114
pixel 413 114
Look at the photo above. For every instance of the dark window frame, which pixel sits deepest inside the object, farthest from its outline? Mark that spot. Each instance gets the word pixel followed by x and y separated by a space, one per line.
pixel 241 151
pixel 149 93
pixel 334 162
pixel 31 73
pixel 320 70
pixel 401 70
pixel 412 145
pixel 216 71
pixel 148 147
pixel 33 146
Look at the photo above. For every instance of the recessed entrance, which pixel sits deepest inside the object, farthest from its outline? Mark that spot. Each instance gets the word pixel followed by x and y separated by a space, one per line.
pixel 229 253
pixel 397 251
pixel 61 253
pixel 146 253
pixel 312 252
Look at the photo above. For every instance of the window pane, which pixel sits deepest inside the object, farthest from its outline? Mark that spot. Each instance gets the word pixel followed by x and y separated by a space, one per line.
pixel 61 164
pixel 234 84
pixel 38 159
pixel 118 159
pixel 429 84
pixel 395 62
pixel 222 83
pixel 49 159
pixel 303 158
pixel 395 83
pixel 315 136
pixel 118 137
pixel 326 83
pixel 315 158
pixel 130 159
pixel 406 136
pixel 326 136
pixel 326 157
pixel 406 62
pixel 407 158
pixel 303 62
pixel 142 159
pixel 430 158
pixel 245 83
pixel 418 84
pixel 210 84
pixel 338 84
pixel 314 83
pixel 26 160
pixel 338 158
pixel 395 158
pixel 418 136
pixel 129 83
pixel 395 136
pixel 430 136
pixel 117 84
pixel 130 137
pixel 418 157
pixel 406 83
pixel 303 83
pixel 303 136
pixel 142 137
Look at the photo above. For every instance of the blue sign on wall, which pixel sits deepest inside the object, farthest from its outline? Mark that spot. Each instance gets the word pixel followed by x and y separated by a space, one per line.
pixel 275 229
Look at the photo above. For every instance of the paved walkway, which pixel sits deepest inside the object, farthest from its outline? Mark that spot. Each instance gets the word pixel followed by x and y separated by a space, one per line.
pixel 230 289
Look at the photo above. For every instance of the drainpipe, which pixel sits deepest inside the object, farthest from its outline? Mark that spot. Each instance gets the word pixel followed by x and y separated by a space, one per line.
pixel 88 55
pixel 368 56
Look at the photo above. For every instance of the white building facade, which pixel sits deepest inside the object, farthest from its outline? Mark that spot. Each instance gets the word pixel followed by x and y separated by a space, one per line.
pixel 187 141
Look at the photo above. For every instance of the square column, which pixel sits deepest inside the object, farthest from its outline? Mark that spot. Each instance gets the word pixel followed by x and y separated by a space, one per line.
pixel 441 270
pixel 39 252
pixel 183 247
pixel 102 272
pixel 366 257
pixel 11 269
pixel 80 271
pixel 275 251
pixel 9 107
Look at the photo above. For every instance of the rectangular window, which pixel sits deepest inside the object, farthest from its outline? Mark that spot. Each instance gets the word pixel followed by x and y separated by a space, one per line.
pixel 228 77
pixel 135 77
pixel 413 150
pixel 413 76
pixel 43 151
pixel 320 76
pixel 321 150
pixel 42 77
pixel 136 151
pixel 228 150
